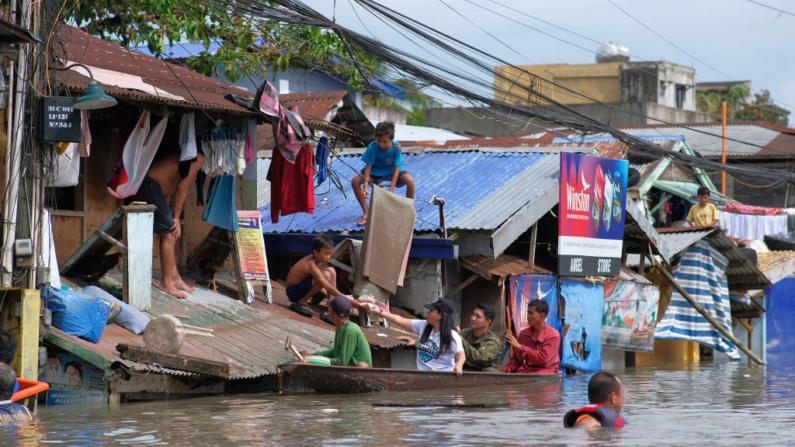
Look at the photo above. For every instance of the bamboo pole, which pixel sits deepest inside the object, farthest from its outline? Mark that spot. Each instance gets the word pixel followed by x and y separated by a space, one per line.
pixel 705 314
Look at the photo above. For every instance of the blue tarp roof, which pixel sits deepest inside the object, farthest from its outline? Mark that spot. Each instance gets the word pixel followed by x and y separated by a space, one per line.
pixel 463 179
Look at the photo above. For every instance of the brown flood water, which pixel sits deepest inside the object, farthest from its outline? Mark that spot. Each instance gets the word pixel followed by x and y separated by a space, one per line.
pixel 723 405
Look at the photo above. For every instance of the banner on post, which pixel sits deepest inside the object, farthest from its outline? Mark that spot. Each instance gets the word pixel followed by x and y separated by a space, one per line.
pixel 251 251
pixel 630 316
pixel 581 306
pixel 591 215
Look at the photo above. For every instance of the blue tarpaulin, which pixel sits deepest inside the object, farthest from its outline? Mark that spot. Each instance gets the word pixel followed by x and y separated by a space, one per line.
pixel 581 308
pixel 701 271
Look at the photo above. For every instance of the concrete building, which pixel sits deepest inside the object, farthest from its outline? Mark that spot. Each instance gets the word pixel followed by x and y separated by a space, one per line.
pixel 616 93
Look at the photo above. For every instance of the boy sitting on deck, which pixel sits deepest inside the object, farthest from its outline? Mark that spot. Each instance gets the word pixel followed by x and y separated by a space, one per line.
pixel 306 279
pixel 384 162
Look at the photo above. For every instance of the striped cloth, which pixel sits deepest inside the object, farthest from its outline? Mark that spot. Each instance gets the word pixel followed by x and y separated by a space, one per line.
pixel 701 270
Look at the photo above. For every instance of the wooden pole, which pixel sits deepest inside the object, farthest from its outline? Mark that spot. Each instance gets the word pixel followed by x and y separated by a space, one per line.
pixel 729 336
pixel 532 256
pixel 723 152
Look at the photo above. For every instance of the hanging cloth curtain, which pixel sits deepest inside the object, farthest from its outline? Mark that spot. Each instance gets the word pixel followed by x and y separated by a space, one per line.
pixel 220 210
pixel 136 157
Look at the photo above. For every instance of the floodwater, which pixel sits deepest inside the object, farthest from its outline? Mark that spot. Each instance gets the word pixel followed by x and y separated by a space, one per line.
pixel 724 405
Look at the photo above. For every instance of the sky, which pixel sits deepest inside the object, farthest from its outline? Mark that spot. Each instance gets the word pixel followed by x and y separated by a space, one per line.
pixel 722 39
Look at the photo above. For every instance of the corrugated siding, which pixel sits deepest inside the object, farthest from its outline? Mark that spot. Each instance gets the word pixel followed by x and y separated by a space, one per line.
pixel 463 179
pixel 263 185
pixel 495 209
pixel 711 146
pixel 678 241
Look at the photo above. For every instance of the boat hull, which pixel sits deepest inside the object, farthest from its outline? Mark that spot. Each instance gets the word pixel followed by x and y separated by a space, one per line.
pixel 348 380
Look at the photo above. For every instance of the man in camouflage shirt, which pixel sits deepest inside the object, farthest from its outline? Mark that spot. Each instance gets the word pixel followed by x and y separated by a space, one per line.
pixel 481 346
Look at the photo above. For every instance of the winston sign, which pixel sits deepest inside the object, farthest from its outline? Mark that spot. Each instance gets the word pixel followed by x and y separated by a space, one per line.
pixel 591 215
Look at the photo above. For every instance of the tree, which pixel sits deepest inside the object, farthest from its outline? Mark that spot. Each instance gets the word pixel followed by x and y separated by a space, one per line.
pixel 763 108
pixel 232 44
pixel 414 106
pixel 712 102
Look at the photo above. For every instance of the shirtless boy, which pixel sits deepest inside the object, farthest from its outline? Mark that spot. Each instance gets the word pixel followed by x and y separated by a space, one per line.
pixel 306 279
pixel 163 187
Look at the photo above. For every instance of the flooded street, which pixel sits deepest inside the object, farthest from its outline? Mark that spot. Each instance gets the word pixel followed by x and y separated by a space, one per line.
pixel 710 405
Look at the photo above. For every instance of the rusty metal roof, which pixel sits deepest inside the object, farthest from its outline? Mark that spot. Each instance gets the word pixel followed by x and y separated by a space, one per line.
pixel 333 112
pixel 251 339
pixel 503 266
pixel 11 33
pixel 776 265
pixel 198 91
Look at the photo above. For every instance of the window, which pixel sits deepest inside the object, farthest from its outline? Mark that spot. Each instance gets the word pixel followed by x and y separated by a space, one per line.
pixel 681 90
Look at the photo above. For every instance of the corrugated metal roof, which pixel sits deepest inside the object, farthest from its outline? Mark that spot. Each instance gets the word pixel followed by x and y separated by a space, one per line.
pixel 250 339
pixel 678 241
pixel 688 191
pixel 776 265
pixel 405 132
pixel 464 179
pixel 777 141
pixel 503 265
pixel 199 91
pixel 263 185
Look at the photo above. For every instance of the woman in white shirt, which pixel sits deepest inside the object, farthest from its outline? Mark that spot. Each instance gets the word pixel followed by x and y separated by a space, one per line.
pixel 439 347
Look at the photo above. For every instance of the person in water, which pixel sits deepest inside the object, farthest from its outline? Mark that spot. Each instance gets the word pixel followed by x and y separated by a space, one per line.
pixel 606 395
pixel 535 351
pixel 440 347
pixel 350 346
pixel 10 411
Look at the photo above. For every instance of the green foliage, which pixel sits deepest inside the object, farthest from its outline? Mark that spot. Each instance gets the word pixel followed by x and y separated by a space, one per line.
pixel 414 106
pixel 233 46
pixel 764 109
pixel 738 107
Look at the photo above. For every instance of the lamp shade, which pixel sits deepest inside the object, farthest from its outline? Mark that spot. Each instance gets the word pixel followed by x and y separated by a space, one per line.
pixel 94 98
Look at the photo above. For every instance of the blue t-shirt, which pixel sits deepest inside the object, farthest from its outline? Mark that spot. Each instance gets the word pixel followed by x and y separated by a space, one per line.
pixel 383 162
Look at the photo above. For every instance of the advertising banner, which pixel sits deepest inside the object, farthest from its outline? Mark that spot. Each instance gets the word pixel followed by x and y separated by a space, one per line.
pixel 532 287
pixel 251 247
pixel 591 215
pixel 630 316
pixel 581 306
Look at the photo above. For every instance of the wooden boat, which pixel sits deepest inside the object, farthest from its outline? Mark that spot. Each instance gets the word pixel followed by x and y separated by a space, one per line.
pixel 345 380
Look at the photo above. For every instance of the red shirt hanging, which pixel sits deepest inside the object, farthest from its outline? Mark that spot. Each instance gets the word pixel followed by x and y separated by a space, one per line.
pixel 292 184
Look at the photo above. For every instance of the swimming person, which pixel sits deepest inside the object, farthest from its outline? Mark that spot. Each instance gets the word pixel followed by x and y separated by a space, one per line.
pixel 606 395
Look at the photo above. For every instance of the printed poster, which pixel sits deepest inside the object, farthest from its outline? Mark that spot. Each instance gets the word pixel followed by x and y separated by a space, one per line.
pixel 591 215
pixel 581 308
pixel 251 251
pixel 76 397
pixel 528 288
pixel 70 371
pixel 630 315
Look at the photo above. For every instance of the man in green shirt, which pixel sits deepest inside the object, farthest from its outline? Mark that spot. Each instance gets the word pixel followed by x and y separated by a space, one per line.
pixel 481 346
pixel 350 346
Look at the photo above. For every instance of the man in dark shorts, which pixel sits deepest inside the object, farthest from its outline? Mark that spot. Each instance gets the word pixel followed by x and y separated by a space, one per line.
pixel 163 187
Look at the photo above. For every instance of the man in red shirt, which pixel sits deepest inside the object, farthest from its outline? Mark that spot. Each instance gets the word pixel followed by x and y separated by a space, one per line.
pixel 536 350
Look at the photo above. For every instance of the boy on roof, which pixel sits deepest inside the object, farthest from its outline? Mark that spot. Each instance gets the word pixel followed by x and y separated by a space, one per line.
pixel 384 163
pixel 703 214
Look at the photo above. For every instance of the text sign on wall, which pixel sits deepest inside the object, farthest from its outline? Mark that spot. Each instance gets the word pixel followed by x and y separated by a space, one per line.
pixel 591 215
pixel 251 246
pixel 58 120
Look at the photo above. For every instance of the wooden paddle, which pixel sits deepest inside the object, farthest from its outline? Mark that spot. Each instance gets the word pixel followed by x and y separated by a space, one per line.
pixel 289 346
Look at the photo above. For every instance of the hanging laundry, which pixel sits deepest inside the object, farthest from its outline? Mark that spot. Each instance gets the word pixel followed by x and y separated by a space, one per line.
pixel 292 184
pixel 187 137
pixel 220 210
pixel 136 157
pixel 321 158
pixel 750 226
pixel 251 151
pixel 67 168
pixel 224 151
pixel 85 137
pixel 750 209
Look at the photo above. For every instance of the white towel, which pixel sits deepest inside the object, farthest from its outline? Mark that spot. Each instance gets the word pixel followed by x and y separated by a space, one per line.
pixel 187 137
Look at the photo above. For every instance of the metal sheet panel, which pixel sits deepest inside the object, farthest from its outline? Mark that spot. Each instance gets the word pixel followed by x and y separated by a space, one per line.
pixel 711 145
pixel 463 179
pixel 679 241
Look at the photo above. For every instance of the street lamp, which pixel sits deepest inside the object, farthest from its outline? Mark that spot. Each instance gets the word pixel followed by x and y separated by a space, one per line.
pixel 94 97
